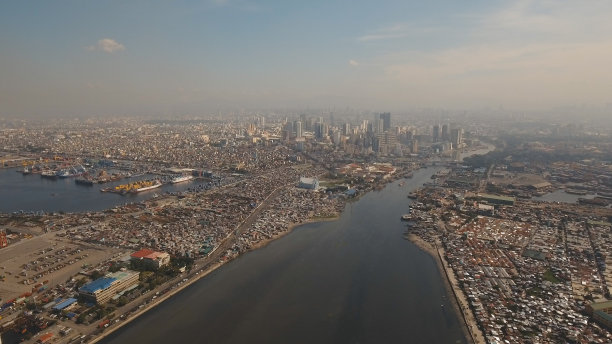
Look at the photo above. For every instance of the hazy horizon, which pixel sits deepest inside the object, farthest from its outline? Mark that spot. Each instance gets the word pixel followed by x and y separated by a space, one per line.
pixel 74 58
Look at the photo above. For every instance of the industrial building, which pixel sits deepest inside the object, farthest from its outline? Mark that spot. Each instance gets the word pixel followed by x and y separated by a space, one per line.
pixel 495 199
pixel 104 288
pixel 65 305
pixel 150 259
pixel 309 183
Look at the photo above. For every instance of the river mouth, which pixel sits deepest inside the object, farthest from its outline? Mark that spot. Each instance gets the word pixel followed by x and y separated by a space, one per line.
pixel 354 280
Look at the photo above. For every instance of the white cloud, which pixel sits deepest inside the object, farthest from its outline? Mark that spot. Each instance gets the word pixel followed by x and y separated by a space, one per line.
pixel 107 45
pixel 353 63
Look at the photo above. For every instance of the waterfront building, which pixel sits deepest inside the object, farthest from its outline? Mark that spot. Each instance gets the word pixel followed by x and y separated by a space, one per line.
pixel 494 199
pixel 601 312
pixel 308 183
pixel 104 288
pixel 151 259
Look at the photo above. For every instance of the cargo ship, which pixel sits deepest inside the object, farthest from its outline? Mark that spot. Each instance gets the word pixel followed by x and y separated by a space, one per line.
pixel 84 181
pixel 134 187
pixel 73 171
pixel 181 179
pixel 154 185
pixel 576 192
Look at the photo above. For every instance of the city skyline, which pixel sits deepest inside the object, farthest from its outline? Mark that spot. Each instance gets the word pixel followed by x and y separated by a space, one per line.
pixel 73 58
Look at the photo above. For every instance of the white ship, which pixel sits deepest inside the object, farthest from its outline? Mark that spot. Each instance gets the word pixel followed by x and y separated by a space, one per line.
pixel 181 179
pixel 155 185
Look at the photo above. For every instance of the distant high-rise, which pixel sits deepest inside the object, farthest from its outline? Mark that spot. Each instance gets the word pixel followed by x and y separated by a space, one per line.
pixel 347 129
pixel 298 129
pixel 337 137
pixel 435 133
pixel 414 146
pixel 321 130
pixel 379 126
pixel 288 130
pixel 457 137
pixel 445 133
pixel 386 120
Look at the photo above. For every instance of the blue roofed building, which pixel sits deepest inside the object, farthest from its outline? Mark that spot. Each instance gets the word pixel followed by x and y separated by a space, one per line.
pixel 104 288
pixel 64 304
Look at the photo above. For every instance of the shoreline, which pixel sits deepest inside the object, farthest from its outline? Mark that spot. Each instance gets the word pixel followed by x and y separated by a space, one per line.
pixel 469 325
pixel 204 273
pixel 290 228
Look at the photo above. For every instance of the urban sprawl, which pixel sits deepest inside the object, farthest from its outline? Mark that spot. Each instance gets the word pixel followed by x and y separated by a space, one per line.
pixel 522 266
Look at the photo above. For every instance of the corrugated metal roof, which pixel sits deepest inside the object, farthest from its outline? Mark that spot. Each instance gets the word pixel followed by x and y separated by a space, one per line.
pixel 100 283
pixel 64 304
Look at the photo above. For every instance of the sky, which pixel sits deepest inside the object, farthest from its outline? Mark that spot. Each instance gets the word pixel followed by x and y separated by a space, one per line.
pixel 97 58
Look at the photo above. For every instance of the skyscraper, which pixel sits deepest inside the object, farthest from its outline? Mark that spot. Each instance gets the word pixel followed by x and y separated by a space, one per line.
pixel 386 120
pixel 435 133
pixel 445 133
pixel 457 137
pixel 298 129
pixel 347 129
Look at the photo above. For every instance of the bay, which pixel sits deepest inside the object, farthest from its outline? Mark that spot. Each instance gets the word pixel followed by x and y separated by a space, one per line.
pixel 31 192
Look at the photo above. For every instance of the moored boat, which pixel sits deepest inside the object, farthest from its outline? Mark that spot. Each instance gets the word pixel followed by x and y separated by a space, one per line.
pixel 48 174
pixel 155 185
pixel 181 179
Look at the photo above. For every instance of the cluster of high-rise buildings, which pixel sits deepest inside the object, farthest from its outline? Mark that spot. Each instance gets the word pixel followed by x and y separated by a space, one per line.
pixel 447 137
pixel 369 136
pixel 365 136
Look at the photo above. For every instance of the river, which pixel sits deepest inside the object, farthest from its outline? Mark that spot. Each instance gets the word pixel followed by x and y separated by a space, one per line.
pixel 562 196
pixel 354 280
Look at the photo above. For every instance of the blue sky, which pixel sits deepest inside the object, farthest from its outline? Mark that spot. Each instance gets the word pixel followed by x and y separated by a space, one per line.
pixel 178 57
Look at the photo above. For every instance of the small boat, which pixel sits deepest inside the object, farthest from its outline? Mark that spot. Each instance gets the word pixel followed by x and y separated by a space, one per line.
pixel 406 217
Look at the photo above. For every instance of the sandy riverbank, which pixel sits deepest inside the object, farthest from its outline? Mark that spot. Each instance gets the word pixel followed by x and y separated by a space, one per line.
pixel 202 274
pixel 459 301
pixel 291 227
